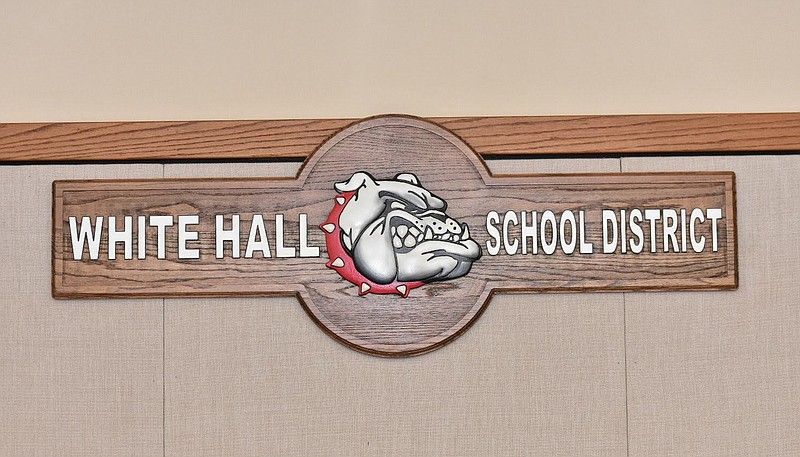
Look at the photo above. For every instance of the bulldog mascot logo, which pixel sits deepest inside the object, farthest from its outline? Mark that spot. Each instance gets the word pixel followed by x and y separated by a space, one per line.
pixel 391 236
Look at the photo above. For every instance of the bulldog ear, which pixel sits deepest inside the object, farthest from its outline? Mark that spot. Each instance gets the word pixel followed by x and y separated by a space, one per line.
pixel 407 177
pixel 358 180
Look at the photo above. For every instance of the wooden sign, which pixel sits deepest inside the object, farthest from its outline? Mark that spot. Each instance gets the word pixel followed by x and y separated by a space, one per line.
pixel 394 235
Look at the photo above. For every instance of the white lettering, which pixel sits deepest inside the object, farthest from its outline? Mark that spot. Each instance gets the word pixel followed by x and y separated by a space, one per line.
pixel 529 231
pixel 141 236
pixel 568 216
pixel 85 235
pixel 697 214
pixel 125 237
pixel 636 215
pixel 609 217
pixel 670 227
pixel 231 236
pixel 162 222
pixel 549 217
pixel 185 235
pixel 510 218
pixel 714 214
pixel 585 248
pixel 305 249
pixel 281 250
pixel 652 215
pixel 257 241
pixel 491 219
pixel 683 230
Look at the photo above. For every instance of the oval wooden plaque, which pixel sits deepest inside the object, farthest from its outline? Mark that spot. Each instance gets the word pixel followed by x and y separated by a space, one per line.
pixel 394 235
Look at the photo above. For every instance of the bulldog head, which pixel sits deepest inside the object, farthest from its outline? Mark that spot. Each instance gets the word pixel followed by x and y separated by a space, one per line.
pixel 397 231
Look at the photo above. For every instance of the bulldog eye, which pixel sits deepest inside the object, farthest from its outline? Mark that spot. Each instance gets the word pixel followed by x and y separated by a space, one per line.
pixel 406 206
pixel 411 201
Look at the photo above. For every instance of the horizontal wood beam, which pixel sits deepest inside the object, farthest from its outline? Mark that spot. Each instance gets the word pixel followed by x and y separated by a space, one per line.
pixel 488 136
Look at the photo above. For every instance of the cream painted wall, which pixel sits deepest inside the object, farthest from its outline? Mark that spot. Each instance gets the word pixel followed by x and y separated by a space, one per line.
pixel 110 60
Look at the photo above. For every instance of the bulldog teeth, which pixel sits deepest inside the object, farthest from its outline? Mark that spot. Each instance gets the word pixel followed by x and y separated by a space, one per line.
pixel 455 238
pixel 329 228
pixel 340 200
pixel 465 232
pixel 402 289
pixel 402 230
pixel 414 231
pixel 394 231
pixel 446 236
pixel 428 233
pixel 410 242
pixel 338 263
pixel 365 287
pixel 397 242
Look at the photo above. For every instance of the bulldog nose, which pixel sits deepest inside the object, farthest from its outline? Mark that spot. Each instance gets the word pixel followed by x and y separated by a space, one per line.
pixel 453 226
pixel 441 224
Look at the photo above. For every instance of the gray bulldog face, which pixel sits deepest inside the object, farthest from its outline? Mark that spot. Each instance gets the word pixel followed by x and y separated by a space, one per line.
pixel 396 230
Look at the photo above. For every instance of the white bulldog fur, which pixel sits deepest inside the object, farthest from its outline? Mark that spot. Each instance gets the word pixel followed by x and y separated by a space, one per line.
pixel 396 230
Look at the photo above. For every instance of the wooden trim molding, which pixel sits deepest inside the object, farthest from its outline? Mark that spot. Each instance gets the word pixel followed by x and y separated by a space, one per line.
pixel 488 136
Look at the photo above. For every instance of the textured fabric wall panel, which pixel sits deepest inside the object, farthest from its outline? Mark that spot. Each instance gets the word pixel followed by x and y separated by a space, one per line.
pixel 537 375
pixel 719 373
pixel 77 377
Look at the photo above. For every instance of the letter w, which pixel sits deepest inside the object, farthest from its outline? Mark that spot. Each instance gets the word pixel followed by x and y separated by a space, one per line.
pixel 78 240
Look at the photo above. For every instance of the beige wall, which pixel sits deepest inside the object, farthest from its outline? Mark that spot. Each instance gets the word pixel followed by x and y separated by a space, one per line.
pixel 113 60
pixel 571 374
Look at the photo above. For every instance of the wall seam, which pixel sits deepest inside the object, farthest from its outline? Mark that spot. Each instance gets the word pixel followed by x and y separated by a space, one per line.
pixel 625 356
pixel 163 378
pixel 163 360
pixel 625 361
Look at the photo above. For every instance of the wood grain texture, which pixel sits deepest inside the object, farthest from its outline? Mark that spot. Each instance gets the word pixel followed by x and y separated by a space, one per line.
pixel 437 312
pixel 488 136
